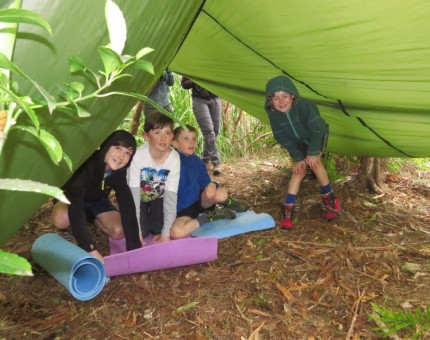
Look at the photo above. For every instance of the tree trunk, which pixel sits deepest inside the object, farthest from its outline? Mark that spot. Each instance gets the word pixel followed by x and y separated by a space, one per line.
pixel 372 173
pixel 135 121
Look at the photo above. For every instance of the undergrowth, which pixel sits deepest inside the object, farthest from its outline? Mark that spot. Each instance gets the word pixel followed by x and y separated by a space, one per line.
pixel 414 325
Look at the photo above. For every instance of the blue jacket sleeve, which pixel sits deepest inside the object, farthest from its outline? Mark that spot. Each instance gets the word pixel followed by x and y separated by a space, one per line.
pixel 204 178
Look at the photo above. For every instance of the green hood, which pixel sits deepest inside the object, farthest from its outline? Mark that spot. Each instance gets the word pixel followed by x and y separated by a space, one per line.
pixel 281 83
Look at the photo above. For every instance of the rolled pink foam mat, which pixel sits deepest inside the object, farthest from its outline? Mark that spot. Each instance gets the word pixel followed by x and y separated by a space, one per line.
pixel 117 246
pixel 157 256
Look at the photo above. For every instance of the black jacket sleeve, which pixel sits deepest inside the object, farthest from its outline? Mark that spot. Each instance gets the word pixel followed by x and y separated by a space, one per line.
pixel 75 192
pixel 127 211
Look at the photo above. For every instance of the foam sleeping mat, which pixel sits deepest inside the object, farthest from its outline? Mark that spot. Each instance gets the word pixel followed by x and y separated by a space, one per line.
pixel 157 256
pixel 80 273
pixel 243 223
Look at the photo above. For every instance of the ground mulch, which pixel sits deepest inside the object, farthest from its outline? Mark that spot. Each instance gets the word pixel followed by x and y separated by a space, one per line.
pixel 316 281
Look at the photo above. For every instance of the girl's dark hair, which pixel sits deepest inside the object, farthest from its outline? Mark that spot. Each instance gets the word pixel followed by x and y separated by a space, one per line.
pixel 125 144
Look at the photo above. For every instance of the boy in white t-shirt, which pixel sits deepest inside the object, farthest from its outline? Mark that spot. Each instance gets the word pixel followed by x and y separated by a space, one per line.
pixel 153 178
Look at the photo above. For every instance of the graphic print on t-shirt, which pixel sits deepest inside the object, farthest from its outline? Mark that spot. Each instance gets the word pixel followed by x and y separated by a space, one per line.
pixel 152 183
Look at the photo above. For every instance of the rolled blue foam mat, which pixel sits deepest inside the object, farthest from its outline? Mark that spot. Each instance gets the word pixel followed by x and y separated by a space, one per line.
pixel 83 275
pixel 244 222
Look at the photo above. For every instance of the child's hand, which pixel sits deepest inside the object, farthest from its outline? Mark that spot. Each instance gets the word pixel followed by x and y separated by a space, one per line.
pixel 97 255
pixel 160 239
pixel 209 191
pixel 142 240
pixel 299 167
pixel 313 162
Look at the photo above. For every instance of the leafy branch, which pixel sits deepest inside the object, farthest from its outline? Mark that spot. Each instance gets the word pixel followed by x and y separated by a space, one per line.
pixel 13 105
pixel 416 325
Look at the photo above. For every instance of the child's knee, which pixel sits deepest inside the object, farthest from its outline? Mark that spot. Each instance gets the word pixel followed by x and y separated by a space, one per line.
pixel 176 232
pixel 221 195
pixel 60 220
pixel 60 216
pixel 116 233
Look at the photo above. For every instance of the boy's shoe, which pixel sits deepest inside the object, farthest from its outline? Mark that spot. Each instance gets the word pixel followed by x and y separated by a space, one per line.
pixel 219 214
pixel 208 164
pixel 217 169
pixel 332 205
pixel 287 216
pixel 236 205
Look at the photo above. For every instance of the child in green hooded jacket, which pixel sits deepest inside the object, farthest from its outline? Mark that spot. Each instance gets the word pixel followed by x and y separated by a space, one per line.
pixel 297 125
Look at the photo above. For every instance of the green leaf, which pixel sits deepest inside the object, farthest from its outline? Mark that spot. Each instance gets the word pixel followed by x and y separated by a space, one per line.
pixel 13 264
pixel 8 65
pixel 111 60
pixel 50 100
pixel 78 87
pixel 76 64
pixel 116 26
pixel 145 65
pixel 24 16
pixel 51 144
pixel 73 91
pixel 32 186
pixel 144 51
pixel 24 104
pixel 82 113
pixel 150 101
pixel 187 306
pixel 128 58
pixel 68 161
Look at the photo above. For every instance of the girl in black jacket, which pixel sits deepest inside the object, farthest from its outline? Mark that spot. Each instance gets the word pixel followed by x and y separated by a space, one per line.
pixel 88 192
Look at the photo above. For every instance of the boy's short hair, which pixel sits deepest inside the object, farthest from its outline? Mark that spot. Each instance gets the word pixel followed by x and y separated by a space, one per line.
pixel 157 120
pixel 179 129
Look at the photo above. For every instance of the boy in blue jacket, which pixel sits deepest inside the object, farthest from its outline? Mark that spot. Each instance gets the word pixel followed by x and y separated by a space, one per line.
pixel 197 194
pixel 297 125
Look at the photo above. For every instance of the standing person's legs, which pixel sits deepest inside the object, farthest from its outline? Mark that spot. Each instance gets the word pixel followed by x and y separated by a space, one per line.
pixel 150 110
pixel 203 117
pixel 215 112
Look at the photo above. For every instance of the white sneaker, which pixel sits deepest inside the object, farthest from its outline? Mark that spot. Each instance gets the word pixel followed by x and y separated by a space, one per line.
pixel 208 164
pixel 217 169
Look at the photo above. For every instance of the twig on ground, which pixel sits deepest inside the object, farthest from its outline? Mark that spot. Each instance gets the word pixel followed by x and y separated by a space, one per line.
pixel 255 334
pixel 356 305
pixel 319 300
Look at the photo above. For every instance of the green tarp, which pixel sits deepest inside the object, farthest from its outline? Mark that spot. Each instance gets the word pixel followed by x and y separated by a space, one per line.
pixel 365 64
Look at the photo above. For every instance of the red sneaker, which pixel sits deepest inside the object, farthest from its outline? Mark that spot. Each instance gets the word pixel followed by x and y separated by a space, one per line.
pixel 332 205
pixel 287 217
